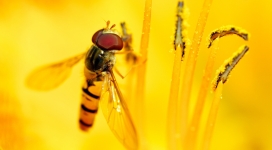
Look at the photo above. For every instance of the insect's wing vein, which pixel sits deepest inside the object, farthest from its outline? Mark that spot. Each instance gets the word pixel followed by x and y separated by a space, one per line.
pixel 50 76
pixel 117 117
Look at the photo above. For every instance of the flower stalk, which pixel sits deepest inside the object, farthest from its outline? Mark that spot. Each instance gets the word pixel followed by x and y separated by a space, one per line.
pixel 141 72
pixel 192 130
pixel 213 43
pixel 179 45
pixel 221 77
pixel 190 68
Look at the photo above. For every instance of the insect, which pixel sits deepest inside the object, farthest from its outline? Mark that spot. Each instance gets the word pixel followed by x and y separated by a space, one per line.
pixel 100 85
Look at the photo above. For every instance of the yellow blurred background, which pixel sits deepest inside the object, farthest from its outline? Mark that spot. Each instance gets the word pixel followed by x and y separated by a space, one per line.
pixel 34 33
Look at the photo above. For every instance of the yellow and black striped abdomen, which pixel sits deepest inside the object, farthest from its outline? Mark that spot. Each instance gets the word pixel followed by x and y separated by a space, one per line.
pixel 91 91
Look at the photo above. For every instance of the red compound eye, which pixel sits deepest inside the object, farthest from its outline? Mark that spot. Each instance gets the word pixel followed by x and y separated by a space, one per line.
pixel 107 41
pixel 96 35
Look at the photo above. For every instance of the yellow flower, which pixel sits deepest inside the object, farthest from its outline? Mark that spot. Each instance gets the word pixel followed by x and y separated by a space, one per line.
pixel 34 33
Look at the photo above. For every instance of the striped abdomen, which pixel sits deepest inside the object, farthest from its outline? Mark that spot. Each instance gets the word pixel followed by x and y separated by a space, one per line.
pixel 91 91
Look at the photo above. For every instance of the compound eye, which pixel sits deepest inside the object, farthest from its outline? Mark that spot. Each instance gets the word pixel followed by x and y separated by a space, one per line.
pixel 96 35
pixel 109 41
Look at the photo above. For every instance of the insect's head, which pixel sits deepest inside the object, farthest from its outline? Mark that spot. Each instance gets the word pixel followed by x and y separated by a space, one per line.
pixel 107 39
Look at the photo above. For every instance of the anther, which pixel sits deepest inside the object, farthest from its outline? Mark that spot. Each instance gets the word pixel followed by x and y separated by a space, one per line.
pixel 223 72
pixel 179 36
pixel 227 30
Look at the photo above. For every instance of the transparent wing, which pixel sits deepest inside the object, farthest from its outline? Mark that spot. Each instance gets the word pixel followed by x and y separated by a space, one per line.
pixel 50 76
pixel 117 114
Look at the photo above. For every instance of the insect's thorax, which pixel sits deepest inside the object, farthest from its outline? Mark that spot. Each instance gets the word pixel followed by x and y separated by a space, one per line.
pixel 98 60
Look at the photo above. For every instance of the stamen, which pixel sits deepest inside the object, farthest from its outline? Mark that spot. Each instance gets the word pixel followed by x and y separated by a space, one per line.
pixel 193 129
pixel 179 32
pixel 173 105
pixel 227 30
pixel 208 131
pixel 131 57
pixel 186 87
pixel 124 29
pixel 222 76
pixel 127 38
pixel 141 72
pixel 224 71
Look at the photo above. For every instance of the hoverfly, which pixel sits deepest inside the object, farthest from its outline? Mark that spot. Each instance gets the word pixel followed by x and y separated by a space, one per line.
pixel 100 85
